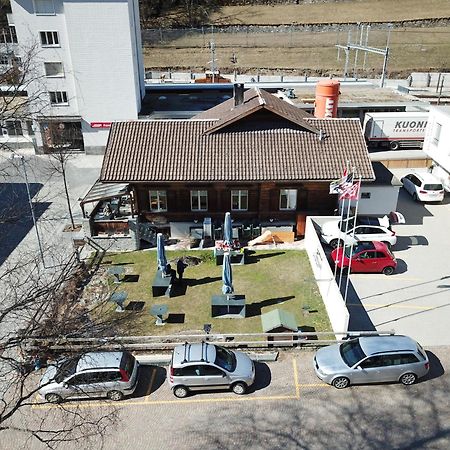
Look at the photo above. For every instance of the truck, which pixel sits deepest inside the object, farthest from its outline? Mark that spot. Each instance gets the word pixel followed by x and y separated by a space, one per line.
pixel 395 130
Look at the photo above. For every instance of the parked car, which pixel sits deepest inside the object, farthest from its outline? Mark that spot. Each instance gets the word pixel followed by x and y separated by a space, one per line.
pixel 206 366
pixel 367 228
pixel 365 257
pixel 371 359
pixel 424 187
pixel 96 374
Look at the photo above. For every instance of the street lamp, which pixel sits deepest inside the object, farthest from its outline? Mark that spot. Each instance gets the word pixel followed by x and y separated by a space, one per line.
pixel 22 159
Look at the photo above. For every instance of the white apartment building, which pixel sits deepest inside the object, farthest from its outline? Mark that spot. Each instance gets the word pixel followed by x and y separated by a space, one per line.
pixel 89 55
pixel 437 143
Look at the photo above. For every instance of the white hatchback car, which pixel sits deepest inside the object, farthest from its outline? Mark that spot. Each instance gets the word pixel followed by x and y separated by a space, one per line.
pixel 367 229
pixel 424 187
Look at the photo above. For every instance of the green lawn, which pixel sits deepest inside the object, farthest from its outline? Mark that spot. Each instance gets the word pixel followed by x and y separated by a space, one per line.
pixel 272 279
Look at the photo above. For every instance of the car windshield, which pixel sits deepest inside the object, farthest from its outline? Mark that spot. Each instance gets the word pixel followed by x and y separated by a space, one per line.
pixel 225 359
pixel 347 224
pixel 433 187
pixel 66 369
pixel 351 352
pixel 353 250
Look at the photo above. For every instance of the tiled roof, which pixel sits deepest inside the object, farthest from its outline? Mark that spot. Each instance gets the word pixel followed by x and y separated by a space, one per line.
pixel 255 99
pixel 180 151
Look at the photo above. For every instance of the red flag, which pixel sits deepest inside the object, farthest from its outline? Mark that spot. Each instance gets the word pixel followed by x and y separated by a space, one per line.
pixel 351 193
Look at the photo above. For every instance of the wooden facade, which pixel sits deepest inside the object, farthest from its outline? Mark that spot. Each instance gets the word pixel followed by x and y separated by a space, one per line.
pixel 263 202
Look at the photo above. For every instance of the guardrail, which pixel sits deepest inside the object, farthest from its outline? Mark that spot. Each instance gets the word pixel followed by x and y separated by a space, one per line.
pixel 152 343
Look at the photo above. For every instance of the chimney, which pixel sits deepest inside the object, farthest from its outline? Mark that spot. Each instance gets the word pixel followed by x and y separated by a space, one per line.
pixel 238 94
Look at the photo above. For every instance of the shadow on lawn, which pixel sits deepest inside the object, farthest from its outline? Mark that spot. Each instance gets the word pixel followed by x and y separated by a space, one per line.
pixel 204 280
pixel 254 309
pixel 253 258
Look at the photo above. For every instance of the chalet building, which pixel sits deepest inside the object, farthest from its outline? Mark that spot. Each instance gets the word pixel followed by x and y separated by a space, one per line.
pixel 257 156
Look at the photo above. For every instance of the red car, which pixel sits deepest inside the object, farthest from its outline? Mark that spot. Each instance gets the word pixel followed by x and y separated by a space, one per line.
pixel 366 257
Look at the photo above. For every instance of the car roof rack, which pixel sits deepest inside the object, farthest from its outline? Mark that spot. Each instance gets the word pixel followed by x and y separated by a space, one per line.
pixel 203 354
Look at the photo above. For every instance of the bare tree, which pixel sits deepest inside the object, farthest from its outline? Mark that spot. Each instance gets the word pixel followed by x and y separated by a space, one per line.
pixel 36 305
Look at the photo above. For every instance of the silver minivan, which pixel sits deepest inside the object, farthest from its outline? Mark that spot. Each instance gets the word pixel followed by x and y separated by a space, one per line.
pixel 206 366
pixel 371 359
pixel 95 374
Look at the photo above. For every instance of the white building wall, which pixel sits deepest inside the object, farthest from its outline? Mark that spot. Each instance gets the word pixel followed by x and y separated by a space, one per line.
pixel 438 147
pixel 100 48
pixel 382 200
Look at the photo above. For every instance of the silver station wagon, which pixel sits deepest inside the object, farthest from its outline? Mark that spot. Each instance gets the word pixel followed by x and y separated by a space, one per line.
pixel 372 359
pixel 95 374
pixel 204 366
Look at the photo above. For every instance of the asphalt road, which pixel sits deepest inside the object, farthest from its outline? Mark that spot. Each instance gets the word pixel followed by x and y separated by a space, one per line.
pixel 288 408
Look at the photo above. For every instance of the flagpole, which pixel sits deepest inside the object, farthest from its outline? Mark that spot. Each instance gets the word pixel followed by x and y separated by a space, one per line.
pixel 340 222
pixel 351 246
pixel 346 233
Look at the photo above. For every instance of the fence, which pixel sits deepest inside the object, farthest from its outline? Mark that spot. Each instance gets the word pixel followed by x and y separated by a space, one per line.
pixel 152 343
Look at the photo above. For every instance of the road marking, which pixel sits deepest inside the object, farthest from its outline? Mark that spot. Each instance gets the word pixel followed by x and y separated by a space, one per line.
pixel 149 390
pixel 297 387
pixel 391 305
pixel 376 276
pixel 169 402
pixel 313 385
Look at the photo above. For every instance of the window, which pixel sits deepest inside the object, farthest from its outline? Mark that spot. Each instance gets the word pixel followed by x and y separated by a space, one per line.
pixel 188 371
pixel 30 129
pixel 58 97
pixel 437 133
pixel 239 200
pixel 365 194
pixel 374 361
pixel 53 69
pixel 44 7
pixel 288 199
pixel 211 371
pixel 199 200
pixel 14 127
pixel 158 201
pixel 49 38
pixel 105 377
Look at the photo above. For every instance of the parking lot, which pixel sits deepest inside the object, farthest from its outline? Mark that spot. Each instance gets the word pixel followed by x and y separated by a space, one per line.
pixel 288 407
pixel 416 299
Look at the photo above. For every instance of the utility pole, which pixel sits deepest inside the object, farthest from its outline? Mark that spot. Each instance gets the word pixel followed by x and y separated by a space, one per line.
pixel 366 49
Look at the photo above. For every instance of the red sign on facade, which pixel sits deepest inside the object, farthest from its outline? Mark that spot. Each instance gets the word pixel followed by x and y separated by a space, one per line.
pixel 100 124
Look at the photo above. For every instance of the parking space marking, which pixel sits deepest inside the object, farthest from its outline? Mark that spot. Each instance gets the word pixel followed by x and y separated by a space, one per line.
pixel 375 276
pixel 305 385
pixel 169 402
pixel 297 387
pixel 149 390
pixel 148 401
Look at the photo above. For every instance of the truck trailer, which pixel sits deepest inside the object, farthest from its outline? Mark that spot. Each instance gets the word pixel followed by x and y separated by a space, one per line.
pixel 395 130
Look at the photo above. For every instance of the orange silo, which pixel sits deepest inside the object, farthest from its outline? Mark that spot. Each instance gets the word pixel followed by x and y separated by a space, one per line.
pixel 327 96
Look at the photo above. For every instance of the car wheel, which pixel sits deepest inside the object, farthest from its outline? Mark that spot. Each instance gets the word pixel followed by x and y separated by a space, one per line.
pixel 387 244
pixel 180 392
pixel 394 145
pixel 53 398
pixel 389 270
pixel 340 382
pixel 335 243
pixel 115 395
pixel 408 378
pixel 239 388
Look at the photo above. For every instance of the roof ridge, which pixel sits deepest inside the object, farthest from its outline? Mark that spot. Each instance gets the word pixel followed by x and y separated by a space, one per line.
pixel 261 99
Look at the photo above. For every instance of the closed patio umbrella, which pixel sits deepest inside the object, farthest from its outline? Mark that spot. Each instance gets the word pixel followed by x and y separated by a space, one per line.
pixel 227 277
pixel 161 254
pixel 227 230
